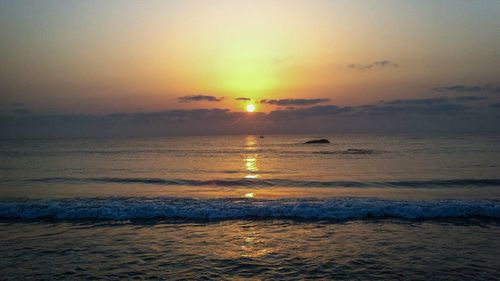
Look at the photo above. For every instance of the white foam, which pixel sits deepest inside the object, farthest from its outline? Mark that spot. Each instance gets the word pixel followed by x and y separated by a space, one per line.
pixel 213 209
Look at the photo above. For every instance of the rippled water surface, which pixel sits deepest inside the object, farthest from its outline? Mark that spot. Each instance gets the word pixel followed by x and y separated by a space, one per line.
pixel 269 249
pixel 363 207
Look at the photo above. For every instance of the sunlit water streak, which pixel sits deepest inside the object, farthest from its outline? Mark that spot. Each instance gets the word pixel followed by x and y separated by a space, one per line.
pixel 269 249
pixel 363 207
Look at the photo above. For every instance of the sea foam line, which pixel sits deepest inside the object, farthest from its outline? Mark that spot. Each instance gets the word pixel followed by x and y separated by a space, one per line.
pixel 277 182
pixel 221 209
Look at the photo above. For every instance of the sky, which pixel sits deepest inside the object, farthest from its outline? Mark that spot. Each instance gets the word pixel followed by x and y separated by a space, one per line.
pixel 91 68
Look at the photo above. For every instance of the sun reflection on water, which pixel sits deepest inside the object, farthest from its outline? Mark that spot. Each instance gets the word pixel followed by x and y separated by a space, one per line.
pixel 251 159
pixel 248 242
pixel 250 142
pixel 251 163
pixel 249 195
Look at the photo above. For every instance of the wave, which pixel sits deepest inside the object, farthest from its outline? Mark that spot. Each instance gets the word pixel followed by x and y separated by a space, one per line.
pixel 222 209
pixel 208 151
pixel 277 182
pixel 283 151
pixel 350 151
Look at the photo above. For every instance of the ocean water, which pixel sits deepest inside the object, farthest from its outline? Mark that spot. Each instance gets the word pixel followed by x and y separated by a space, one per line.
pixel 235 207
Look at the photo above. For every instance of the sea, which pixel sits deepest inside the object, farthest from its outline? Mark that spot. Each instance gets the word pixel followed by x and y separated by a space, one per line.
pixel 250 207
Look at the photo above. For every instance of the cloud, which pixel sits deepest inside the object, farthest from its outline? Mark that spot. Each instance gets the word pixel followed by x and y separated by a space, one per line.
pixel 175 114
pixel 293 102
pixel 21 111
pixel 315 111
pixel 436 115
pixel 467 89
pixel 469 98
pixel 423 106
pixel 413 109
pixel 434 101
pixel 196 98
pixel 375 65
pixel 426 101
pixel 12 105
pixel 243 99
pixel 14 108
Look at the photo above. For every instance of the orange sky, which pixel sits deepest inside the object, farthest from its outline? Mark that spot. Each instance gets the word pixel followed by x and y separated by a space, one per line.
pixel 125 56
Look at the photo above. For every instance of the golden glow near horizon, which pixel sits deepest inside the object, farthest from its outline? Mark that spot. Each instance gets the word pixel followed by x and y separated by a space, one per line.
pixel 114 56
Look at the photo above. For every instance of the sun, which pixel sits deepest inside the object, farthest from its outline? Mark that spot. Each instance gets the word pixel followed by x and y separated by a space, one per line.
pixel 250 107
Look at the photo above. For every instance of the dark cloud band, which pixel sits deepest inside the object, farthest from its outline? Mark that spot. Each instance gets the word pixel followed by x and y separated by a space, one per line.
pixel 439 114
pixel 293 102
pixel 195 98
pixel 375 65
pixel 467 89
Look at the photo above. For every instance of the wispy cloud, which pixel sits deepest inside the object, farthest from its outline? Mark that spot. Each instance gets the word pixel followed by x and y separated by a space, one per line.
pixel 434 101
pixel 21 111
pixel 394 108
pixel 293 102
pixel 243 99
pixel 469 98
pixel 413 108
pixel 314 111
pixel 196 98
pixel 14 108
pixel 425 101
pixel 467 89
pixel 375 65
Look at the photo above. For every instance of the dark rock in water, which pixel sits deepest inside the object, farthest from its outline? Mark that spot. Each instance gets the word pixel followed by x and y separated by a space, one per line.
pixel 318 141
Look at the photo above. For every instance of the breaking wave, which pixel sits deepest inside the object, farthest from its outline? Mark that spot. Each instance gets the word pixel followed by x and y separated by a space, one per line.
pixel 238 208
pixel 277 182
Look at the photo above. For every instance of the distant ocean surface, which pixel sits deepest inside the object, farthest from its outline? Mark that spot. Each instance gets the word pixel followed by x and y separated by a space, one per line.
pixel 228 207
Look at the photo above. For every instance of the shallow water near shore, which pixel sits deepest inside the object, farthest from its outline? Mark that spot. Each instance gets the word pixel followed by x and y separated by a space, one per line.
pixel 386 249
pixel 229 207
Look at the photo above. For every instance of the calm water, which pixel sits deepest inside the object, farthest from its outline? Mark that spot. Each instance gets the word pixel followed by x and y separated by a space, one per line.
pixel 362 207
